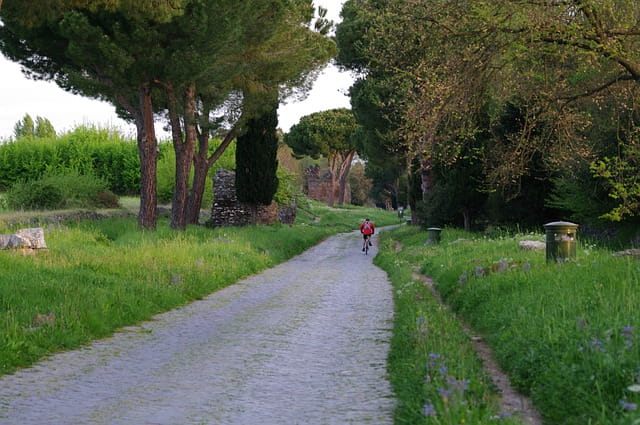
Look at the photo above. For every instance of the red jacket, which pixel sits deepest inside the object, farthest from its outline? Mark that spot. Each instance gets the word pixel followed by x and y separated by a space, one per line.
pixel 367 230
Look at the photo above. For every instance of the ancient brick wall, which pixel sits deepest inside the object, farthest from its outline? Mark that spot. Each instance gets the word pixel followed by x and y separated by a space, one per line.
pixel 318 186
pixel 228 211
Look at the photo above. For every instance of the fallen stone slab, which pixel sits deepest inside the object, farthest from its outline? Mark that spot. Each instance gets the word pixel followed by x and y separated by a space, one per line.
pixel 532 245
pixel 633 252
pixel 32 238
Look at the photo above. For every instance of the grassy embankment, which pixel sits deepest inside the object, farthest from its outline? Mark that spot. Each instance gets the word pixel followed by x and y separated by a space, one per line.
pixel 567 334
pixel 98 276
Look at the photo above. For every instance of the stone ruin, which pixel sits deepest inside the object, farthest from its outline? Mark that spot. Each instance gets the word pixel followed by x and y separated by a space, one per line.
pixel 27 240
pixel 317 186
pixel 228 211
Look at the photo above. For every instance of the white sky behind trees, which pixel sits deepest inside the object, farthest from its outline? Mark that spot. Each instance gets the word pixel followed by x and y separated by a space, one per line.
pixel 20 95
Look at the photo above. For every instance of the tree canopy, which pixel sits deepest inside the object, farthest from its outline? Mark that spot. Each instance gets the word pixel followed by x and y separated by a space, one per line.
pixel 332 135
pixel 40 129
pixel 148 57
pixel 441 72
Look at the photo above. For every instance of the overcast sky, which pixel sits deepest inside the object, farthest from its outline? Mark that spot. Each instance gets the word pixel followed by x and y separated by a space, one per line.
pixel 19 96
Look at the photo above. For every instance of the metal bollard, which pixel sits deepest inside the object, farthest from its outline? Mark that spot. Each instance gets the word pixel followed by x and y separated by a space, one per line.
pixel 433 235
pixel 560 240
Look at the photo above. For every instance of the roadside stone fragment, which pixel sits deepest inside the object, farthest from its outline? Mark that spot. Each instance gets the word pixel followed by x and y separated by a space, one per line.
pixel 634 252
pixel 532 245
pixel 32 238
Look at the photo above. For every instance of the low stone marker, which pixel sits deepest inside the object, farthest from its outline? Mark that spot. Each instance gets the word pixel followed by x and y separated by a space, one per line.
pixel 532 245
pixel 632 252
pixel 26 239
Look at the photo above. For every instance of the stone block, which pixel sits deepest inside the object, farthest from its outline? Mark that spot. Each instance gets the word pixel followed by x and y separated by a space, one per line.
pixel 32 238
pixel 532 245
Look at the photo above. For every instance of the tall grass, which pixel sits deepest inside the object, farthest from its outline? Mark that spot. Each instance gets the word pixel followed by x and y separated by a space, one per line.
pixel 435 373
pixel 99 276
pixel 567 334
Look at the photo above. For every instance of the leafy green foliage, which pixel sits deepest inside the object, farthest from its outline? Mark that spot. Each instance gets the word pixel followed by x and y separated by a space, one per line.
pixel 61 189
pixel 24 128
pixel 27 129
pixel 44 128
pixel 288 192
pixel 34 195
pixel 434 78
pixel 360 185
pixel 622 177
pixel 102 152
pixel 325 133
pixel 583 197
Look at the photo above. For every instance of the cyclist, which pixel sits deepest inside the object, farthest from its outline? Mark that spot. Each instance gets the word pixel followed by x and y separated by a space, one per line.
pixel 367 228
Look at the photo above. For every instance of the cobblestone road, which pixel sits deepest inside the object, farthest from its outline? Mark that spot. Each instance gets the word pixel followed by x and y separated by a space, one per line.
pixel 303 343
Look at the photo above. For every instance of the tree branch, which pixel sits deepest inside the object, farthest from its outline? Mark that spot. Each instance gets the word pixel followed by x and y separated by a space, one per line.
pixel 591 92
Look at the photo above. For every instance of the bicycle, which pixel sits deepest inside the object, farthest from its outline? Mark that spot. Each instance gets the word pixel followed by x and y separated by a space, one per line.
pixel 367 244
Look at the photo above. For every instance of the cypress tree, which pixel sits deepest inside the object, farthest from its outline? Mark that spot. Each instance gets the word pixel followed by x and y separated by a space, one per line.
pixel 256 159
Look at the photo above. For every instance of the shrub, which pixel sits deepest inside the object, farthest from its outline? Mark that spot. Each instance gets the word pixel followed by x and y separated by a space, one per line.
pixel 102 152
pixel 34 195
pixel 106 199
pixel 61 189
pixel 287 192
pixel 166 173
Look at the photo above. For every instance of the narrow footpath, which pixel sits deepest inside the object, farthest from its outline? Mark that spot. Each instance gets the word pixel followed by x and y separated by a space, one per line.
pixel 303 343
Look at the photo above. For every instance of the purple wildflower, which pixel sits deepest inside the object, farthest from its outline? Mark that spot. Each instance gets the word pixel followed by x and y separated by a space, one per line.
pixel 428 410
pixel 460 385
pixel 627 332
pixel 434 360
pixel 444 393
pixel 628 406
pixel 596 344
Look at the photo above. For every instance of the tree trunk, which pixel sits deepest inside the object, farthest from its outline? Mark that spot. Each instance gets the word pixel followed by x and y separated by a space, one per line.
pixel 414 189
pixel 148 151
pixel 202 165
pixel 426 176
pixel 333 170
pixel 200 172
pixel 344 172
pixel 184 149
pixel 466 216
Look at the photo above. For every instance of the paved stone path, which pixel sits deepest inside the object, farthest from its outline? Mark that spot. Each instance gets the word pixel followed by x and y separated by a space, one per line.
pixel 303 343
